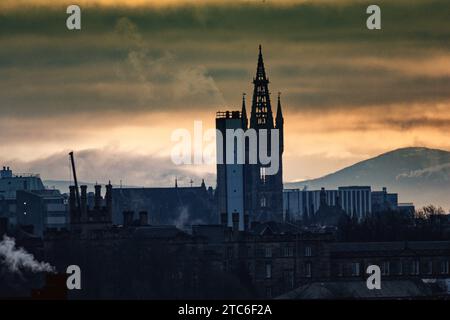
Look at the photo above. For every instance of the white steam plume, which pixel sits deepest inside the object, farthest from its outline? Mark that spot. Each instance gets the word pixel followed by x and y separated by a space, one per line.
pixel 17 258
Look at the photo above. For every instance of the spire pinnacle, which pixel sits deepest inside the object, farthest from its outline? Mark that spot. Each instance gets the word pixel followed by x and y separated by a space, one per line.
pixel 244 112
pixel 260 70
pixel 279 117
pixel 261 113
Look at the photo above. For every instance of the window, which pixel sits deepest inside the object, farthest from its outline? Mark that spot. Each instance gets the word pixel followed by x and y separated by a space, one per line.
pixel 288 252
pixel 263 202
pixel 268 270
pixel 355 269
pixel 262 174
pixel 308 269
pixel 444 267
pixel 268 252
pixel 385 268
pixel 308 252
pixel 415 267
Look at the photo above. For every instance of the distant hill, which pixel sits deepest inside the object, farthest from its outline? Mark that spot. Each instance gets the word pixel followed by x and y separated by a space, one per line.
pixel 419 175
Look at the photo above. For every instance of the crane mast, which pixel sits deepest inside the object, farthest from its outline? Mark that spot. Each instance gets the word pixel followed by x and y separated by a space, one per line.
pixel 77 191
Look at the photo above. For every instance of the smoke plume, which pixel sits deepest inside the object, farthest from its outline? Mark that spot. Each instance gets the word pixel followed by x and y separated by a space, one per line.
pixel 16 259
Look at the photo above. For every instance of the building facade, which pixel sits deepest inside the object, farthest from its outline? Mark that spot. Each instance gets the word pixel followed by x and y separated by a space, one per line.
pixel 40 210
pixel 231 176
pixel 267 261
pixel 358 201
pixel 384 201
pixel 10 184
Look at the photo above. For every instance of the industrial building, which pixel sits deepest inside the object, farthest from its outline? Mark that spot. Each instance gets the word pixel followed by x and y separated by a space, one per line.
pixel 358 201
pixel 25 201
pixel 40 210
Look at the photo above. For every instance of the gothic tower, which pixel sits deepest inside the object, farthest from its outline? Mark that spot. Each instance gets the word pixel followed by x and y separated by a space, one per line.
pixel 263 192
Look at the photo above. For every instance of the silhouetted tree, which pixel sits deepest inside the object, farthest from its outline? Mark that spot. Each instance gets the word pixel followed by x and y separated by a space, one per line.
pixel 429 223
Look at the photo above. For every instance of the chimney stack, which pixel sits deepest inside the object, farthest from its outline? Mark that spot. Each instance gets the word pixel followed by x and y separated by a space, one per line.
pixel 83 203
pixel 72 205
pixel 98 196
pixel 108 200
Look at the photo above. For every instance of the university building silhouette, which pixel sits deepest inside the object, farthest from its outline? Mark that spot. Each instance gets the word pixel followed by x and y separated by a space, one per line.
pixel 245 192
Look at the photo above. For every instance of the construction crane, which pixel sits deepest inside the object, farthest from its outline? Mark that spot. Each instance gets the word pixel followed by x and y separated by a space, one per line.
pixel 74 172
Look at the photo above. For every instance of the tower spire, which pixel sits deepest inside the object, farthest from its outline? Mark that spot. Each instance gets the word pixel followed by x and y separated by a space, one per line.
pixel 279 123
pixel 260 70
pixel 244 112
pixel 261 114
pixel 279 111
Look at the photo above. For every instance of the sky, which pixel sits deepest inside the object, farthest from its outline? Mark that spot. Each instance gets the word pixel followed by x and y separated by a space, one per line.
pixel 138 70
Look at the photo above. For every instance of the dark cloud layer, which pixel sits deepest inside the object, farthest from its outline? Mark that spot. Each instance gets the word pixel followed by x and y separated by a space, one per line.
pixel 160 58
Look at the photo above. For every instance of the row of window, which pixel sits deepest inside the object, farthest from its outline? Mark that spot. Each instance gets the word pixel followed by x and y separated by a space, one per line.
pixel 355 269
pixel 287 251
pixel 288 275
pixel 400 268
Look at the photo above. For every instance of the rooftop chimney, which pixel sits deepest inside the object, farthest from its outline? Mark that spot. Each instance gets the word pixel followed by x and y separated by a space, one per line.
pixel 83 203
pixel 72 205
pixel 6 173
pixel 108 200
pixel 97 196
